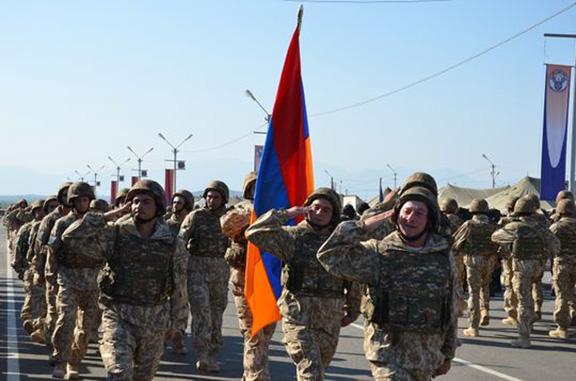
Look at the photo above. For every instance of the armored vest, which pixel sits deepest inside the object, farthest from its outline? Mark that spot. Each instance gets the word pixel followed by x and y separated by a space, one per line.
pixel 305 275
pixel 529 243
pixel 478 238
pixel 207 239
pixel 566 233
pixel 138 272
pixel 75 259
pixel 47 225
pixel 414 293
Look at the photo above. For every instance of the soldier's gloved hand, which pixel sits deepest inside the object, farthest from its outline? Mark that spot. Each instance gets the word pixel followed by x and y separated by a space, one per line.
pixel 442 369
pixel 53 288
pixel 20 275
pixel 169 335
pixel 40 279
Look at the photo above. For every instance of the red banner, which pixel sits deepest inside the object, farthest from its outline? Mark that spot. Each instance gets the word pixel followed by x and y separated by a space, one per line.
pixel 169 185
pixel 113 191
pixel 134 180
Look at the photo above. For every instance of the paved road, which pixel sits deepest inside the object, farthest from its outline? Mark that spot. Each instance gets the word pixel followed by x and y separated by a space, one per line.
pixel 485 358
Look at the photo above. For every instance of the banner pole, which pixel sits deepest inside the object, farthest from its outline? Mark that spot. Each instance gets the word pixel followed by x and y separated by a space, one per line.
pixel 572 182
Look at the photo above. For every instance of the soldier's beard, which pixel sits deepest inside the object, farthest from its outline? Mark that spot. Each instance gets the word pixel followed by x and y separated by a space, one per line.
pixel 411 238
pixel 316 226
pixel 139 220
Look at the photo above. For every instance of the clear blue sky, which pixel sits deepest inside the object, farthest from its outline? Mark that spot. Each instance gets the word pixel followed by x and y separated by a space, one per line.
pixel 81 80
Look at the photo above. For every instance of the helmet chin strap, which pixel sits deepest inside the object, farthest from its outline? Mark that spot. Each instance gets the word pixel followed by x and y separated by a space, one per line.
pixel 140 220
pixel 316 226
pixel 412 238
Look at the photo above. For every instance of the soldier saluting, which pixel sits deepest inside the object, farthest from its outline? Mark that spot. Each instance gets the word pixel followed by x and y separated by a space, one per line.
pixel 411 329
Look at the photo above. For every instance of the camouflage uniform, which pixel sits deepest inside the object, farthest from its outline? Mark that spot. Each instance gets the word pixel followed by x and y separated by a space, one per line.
pixel 77 298
pixel 564 272
pixel 449 207
pixel 13 221
pixel 529 245
pixel 38 290
pixel 406 350
pixel 472 240
pixel 20 265
pixel 510 298
pixel 143 292
pixel 40 261
pixel 207 280
pixel 234 224
pixel 313 302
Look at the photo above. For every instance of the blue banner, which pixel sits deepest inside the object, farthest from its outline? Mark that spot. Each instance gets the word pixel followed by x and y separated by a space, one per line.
pixel 556 100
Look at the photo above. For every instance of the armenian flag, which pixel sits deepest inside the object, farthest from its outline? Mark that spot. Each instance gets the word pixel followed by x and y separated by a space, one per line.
pixel 285 179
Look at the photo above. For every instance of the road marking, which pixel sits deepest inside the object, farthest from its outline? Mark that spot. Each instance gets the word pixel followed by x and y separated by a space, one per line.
pixel 468 364
pixel 13 361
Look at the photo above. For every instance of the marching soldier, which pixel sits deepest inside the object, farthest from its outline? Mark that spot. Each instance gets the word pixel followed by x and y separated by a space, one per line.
pixel 208 274
pixel 314 304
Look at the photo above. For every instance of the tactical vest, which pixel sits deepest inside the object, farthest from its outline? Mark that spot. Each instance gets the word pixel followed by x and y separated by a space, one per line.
pixel 207 239
pixel 414 293
pixel 138 272
pixel 529 243
pixel 478 239
pixel 305 275
pixel 567 236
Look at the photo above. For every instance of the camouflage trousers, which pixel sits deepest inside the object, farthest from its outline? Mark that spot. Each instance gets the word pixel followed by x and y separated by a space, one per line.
pixel 526 273
pixel 25 313
pixel 255 359
pixel 459 261
pixel 537 292
pixel 51 313
pixel 387 372
pixel 510 298
pixel 208 297
pixel 78 313
pixel 129 353
pixel 479 274
pixel 564 280
pixel 311 341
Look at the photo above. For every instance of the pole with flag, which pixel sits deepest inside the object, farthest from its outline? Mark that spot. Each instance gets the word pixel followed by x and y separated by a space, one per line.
pixel 380 192
pixel 285 179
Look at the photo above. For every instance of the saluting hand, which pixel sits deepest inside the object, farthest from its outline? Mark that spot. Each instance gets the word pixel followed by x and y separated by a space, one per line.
pixel 297 211
pixel 113 215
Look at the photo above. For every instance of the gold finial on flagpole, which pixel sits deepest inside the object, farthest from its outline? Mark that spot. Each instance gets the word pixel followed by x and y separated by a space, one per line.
pixel 300 14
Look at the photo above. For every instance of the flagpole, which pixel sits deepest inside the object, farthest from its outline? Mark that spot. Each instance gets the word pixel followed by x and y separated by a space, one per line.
pixel 300 14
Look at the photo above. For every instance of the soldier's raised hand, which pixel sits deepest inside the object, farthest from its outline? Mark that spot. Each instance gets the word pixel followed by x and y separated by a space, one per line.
pixel 297 211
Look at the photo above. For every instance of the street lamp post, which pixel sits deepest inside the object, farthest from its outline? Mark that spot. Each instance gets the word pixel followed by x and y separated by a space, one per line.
pixel 81 176
pixel 493 172
pixel 331 179
pixel 95 174
pixel 139 159
pixel 395 174
pixel 251 96
pixel 118 169
pixel 175 152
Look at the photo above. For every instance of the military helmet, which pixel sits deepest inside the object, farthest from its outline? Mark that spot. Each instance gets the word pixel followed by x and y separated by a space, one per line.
pixel 566 208
pixel 449 205
pixel 524 206
pixel 479 206
pixel 248 181
pixel 219 187
pixel 62 195
pixel 121 196
pixel 420 179
pixel 151 188
pixel 187 196
pixel 564 195
pixel 422 194
pixel 47 202
pixel 80 189
pixel 38 204
pixel 511 202
pixel 535 199
pixel 99 205
pixel 332 197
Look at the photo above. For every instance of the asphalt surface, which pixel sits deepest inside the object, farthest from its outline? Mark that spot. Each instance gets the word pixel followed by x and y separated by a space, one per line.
pixel 489 357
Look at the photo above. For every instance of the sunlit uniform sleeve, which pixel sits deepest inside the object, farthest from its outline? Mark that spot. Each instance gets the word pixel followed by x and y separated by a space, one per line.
pixel 179 297
pixel 451 331
pixel 270 235
pixel 345 256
